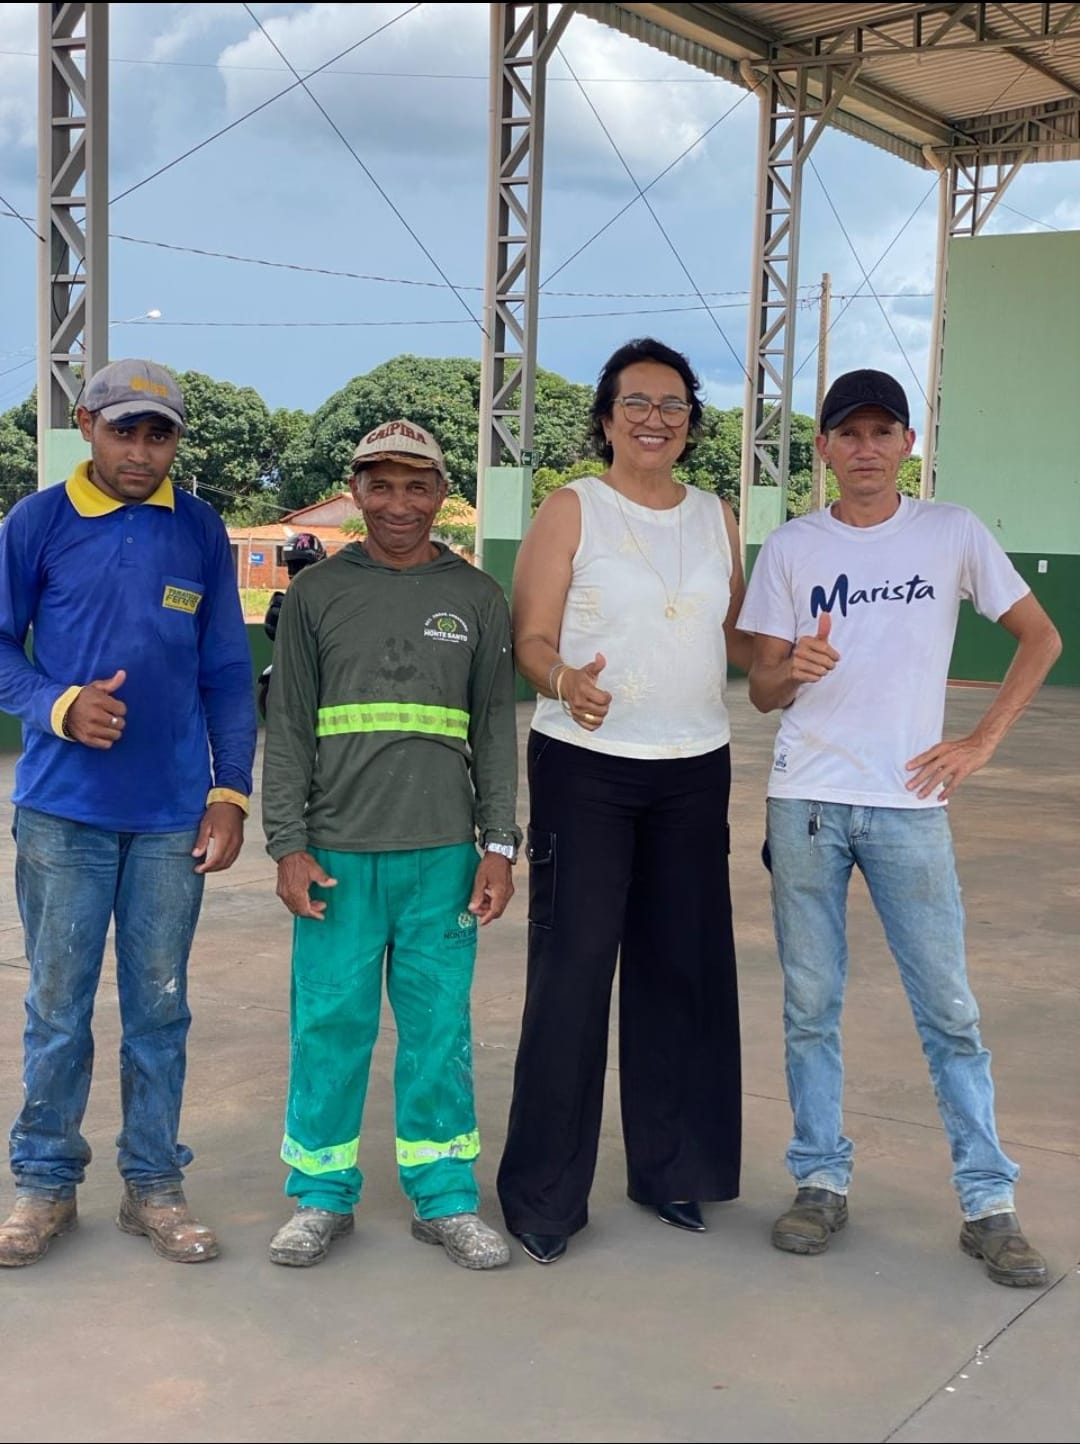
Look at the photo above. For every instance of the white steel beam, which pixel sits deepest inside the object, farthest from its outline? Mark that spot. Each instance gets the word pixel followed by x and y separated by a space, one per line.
pixel 796 106
pixel 73 149
pixel 523 38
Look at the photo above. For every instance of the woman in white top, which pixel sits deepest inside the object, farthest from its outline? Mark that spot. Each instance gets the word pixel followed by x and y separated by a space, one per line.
pixel 625 596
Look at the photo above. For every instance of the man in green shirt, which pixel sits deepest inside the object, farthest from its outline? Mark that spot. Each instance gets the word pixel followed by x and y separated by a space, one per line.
pixel 390 748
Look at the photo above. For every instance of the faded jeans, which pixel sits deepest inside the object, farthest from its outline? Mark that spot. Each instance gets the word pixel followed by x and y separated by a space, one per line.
pixel 70 881
pixel 906 857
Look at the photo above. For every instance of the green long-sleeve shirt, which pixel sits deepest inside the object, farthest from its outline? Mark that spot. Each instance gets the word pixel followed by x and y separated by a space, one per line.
pixel 391 714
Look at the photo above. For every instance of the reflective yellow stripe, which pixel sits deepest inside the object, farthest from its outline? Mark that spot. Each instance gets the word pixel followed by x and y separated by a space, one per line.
pixel 320 1160
pixel 411 1155
pixel 392 717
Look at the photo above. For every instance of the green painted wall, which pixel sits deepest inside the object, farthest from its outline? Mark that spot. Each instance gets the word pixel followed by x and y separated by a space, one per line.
pixel 1009 434
pixel 984 650
pixel 1009 438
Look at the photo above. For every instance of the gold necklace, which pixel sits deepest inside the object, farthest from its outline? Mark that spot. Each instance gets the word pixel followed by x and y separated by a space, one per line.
pixel 671 610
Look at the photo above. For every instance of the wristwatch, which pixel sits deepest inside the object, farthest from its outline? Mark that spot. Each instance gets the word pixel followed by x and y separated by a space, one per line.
pixel 504 849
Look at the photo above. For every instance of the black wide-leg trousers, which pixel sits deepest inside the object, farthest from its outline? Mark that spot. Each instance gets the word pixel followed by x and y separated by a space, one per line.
pixel 629 856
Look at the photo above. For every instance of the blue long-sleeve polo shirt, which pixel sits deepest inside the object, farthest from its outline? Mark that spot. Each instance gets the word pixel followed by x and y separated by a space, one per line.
pixel 149 588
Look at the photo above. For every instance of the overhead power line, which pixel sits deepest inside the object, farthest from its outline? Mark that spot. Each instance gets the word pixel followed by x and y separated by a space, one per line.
pixel 408 281
pixel 399 74
pixel 348 146
pixel 860 295
pixel 1025 217
pixel 866 278
pixel 807 302
pixel 643 190
pixel 11 211
pixel 649 207
pixel 450 320
pixel 262 106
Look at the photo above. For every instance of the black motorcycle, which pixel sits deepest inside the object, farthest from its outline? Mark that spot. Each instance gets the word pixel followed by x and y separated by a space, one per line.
pixel 302 551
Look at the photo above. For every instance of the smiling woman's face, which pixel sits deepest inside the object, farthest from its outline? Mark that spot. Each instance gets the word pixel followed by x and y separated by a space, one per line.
pixel 656 442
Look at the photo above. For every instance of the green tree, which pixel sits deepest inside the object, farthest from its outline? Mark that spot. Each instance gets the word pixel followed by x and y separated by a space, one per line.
pixel 715 460
pixel 546 479
pixel 561 425
pixel 910 479
pixel 18 453
pixel 442 395
pixel 227 450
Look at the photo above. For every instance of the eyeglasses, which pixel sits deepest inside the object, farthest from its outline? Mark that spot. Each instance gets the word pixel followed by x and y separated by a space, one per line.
pixel 640 408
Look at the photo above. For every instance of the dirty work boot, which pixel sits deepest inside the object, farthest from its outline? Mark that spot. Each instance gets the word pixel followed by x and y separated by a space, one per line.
pixel 35 1221
pixel 815 1214
pixel 468 1240
pixel 306 1238
pixel 999 1241
pixel 166 1220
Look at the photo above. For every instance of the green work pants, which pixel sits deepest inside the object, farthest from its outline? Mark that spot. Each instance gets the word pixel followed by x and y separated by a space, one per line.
pixel 409 910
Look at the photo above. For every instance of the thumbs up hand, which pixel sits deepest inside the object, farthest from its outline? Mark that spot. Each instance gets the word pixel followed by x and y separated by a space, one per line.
pixel 97 717
pixel 583 698
pixel 812 657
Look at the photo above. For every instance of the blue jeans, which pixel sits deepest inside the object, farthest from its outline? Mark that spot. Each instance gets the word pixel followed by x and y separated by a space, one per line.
pixel 906 856
pixel 70 880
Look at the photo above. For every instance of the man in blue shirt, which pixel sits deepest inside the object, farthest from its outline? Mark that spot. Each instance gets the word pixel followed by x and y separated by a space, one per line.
pixel 138 742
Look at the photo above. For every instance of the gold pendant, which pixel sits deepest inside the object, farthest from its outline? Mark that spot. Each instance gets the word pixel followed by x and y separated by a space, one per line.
pixel 670 611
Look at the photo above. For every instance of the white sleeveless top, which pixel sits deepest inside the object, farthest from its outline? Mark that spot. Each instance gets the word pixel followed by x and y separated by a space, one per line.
pixel 667 673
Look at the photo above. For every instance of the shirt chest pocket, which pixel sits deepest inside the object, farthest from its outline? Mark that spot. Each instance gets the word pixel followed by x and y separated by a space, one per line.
pixel 177 614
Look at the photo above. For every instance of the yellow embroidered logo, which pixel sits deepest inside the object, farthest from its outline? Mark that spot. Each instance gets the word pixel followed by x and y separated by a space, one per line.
pixel 155 387
pixel 179 600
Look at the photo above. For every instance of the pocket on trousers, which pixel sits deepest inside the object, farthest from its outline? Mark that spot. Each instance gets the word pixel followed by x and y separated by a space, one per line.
pixel 540 850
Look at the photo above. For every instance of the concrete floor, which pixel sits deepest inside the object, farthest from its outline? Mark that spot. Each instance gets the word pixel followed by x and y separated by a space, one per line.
pixel 642 1332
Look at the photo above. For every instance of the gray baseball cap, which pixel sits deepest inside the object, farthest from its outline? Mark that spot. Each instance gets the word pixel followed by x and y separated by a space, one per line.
pixel 135 388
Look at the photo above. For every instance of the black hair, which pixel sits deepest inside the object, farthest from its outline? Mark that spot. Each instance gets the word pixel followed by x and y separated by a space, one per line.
pixel 645 348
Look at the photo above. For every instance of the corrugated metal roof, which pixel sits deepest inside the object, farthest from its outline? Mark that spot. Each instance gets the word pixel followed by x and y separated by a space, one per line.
pixel 991 58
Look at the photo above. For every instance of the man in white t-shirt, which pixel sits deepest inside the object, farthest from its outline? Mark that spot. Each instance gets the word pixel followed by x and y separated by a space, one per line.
pixel 853 611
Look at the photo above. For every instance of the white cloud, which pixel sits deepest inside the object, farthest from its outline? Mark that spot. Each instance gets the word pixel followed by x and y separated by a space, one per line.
pixel 18 76
pixel 283 187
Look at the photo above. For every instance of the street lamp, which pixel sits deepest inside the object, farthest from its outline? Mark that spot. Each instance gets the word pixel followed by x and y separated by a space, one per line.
pixel 153 315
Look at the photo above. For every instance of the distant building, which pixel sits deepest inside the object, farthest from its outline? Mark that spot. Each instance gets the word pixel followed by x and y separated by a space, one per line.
pixel 257 550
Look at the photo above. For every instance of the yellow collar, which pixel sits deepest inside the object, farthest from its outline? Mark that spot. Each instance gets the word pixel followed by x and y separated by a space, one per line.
pixel 89 500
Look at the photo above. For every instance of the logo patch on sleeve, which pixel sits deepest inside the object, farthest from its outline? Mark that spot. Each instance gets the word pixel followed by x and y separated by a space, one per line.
pixel 178 599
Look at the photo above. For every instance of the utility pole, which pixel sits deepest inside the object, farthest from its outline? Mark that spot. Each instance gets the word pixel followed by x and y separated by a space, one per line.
pixel 817 487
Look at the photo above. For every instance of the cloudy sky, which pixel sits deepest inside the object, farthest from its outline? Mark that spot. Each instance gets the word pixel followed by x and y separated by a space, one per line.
pixel 412 102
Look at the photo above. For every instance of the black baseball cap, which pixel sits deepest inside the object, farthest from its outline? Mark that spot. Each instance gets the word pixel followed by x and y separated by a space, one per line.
pixel 864 388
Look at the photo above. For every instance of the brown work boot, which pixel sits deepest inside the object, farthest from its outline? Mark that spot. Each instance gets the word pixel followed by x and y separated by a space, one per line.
pixel 35 1221
pixel 999 1241
pixel 815 1215
pixel 166 1220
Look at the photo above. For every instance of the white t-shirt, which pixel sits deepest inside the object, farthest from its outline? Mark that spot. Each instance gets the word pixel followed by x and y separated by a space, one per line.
pixel 667 675
pixel 893 592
